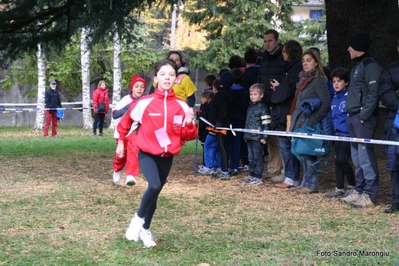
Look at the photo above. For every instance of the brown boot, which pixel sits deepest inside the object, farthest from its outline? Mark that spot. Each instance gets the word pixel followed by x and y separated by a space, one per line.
pixel 305 190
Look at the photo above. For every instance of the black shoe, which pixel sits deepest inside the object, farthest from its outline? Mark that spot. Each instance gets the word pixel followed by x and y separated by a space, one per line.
pixel 94 135
pixel 394 208
pixel 101 134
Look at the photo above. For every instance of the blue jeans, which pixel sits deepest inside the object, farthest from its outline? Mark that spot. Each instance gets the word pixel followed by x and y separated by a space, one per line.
pixel 310 176
pixel 291 163
pixel 211 152
pixel 255 158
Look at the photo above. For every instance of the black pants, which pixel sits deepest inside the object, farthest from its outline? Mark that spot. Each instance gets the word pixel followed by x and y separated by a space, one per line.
pixel 221 139
pixel 155 169
pixel 342 166
pixel 98 120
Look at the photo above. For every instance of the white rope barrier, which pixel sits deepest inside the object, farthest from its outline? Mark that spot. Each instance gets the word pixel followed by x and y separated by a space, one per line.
pixel 25 110
pixel 304 135
pixel 18 109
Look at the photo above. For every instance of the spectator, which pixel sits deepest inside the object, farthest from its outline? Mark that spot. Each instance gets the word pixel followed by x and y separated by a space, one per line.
pixel 209 79
pixel 212 156
pixel 52 101
pixel 327 73
pixel 219 116
pixel 389 95
pixel 258 117
pixel 312 84
pixel 251 69
pixel 272 68
pixel 206 102
pixel 250 77
pixel 238 109
pixel 236 61
pixel 282 98
pixel 362 107
pixel 100 99
pixel 340 79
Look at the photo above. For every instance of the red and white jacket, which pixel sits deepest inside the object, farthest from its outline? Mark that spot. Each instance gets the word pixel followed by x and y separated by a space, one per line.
pixel 127 100
pixel 153 112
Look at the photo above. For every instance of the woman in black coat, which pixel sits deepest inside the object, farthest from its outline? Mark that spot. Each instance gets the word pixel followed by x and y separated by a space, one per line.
pixel 282 97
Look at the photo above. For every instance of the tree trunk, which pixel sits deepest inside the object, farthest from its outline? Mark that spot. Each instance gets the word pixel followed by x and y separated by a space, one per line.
pixel 116 92
pixel 85 62
pixel 380 19
pixel 41 88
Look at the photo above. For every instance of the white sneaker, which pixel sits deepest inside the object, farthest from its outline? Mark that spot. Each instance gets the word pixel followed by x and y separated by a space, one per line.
pixel 130 180
pixel 146 237
pixel 133 231
pixel 117 176
pixel 363 201
pixel 352 197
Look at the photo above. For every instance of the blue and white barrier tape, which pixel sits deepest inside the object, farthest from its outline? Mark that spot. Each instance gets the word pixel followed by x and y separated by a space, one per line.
pixel 21 110
pixel 304 135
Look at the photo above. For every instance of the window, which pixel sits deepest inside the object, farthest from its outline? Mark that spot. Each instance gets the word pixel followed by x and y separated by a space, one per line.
pixel 315 14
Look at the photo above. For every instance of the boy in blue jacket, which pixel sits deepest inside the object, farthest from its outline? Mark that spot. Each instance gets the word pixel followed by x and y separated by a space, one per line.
pixel 340 79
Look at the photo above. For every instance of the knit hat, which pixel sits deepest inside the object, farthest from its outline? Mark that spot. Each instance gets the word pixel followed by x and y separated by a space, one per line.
pixel 360 42
pixel 137 79
pixel 227 79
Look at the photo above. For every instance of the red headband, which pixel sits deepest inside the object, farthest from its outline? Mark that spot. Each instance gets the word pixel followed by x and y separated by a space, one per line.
pixel 137 79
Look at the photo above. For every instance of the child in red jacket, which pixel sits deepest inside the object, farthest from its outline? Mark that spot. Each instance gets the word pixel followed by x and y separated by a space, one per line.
pixel 164 123
pixel 137 88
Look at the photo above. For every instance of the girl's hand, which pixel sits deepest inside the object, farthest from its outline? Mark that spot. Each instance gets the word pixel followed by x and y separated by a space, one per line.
pixel 189 116
pixel 120 149
pixel 263 141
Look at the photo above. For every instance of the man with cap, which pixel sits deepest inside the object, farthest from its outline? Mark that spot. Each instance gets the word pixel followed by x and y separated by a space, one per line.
pixel 362 106
pixel 52 101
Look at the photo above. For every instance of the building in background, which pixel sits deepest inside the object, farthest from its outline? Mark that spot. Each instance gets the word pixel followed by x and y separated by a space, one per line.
pixel 312 10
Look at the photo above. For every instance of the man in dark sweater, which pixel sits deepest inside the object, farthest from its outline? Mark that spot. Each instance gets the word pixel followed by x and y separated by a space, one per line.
pixel 362 107
pixel 272 68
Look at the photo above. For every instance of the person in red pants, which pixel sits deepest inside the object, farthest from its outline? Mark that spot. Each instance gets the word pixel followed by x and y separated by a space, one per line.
pixel 52 101
pixel 137 89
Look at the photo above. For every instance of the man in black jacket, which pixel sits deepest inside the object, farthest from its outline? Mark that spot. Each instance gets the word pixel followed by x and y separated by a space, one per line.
pixel 52 100
pixel 362 107
pixel 389 96
pixel 272 68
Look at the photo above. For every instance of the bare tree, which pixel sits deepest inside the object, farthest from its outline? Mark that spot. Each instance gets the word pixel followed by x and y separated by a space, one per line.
pixel 85 61
pixel 116 92
pixel 41 88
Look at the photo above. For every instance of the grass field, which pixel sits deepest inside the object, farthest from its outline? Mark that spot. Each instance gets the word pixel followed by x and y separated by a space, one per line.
pixel 58 206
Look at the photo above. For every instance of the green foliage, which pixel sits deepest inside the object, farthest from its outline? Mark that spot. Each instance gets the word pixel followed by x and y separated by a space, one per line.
pixel 25 23
pixel 233 26
pixel 137 57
